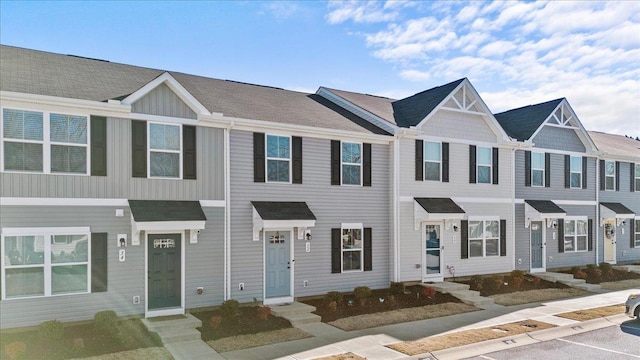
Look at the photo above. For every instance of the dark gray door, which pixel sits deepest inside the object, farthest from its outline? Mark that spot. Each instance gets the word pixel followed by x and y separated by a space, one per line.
pixel 277 264
pixel 537 246
pixel 164 271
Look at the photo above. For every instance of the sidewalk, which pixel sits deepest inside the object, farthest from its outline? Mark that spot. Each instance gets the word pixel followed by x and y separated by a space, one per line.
pixel 370 343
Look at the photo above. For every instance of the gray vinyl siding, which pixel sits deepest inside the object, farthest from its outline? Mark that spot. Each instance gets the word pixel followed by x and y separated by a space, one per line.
pixel 164 102
pixel 551 137
pixel 447 124
pixel 204 266
pixel 119 183
pixel 624 252
pixel 332 205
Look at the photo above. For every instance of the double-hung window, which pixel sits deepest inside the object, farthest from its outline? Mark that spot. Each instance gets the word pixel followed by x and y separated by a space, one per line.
pixel 575 235
pixel 352 248
pixel 636 238
pixel 351 163
pixel 637 177
pixel 484 238
pixel 165 150
pixel 278 158
pixel 45 262
pixel 609 175
pixel 432 161
pixel 537 169
pixel 44 142
pixel 576 172
pixel 484 165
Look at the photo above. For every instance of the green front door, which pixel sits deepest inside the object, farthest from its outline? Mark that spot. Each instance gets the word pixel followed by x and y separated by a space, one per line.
pixel 164 275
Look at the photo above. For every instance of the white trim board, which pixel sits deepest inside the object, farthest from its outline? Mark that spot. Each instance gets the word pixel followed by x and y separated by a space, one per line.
pixel 35 201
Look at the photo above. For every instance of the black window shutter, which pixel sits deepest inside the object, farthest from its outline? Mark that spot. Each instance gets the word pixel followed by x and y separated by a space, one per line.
pixel 567 171
pixel 472 164
pixel 336 251
pixel 258 157
pixel 445 162
pixel 368 258
pixel 584 172
pixel 632 179
pixel 590 235
pixel 296 142
pixel 139 148
pixel 98 146
pixel 494 165
pixel 547 170
pixel 503 237
pixel 189 168
pixel 99 262
pixel 419 160
pixel 464 239
pixel 601 174
pixel 632 233
pixel 527 168
pixel 617 175
pixel 335 162
pixel 561 235
pixel 366 160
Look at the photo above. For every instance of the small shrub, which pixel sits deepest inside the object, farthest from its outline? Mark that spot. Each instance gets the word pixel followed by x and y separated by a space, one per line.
pixel 517 274
pixel 15 349
pixel 491 284
pixel 106 322
pixel 536 281
pixel 332 306
pixel 517 282
pixel 580 275
pixel 429 292
pixel 128 334
pixel 263 312
pixel 575 269
pixel 607 270
pixel 594 277
pixel 476 283
pixel 334 296
pixel 230 308
pixel 590 268
pixel 214 321
pixel 397 288
pixel 361 292
pixel 51 330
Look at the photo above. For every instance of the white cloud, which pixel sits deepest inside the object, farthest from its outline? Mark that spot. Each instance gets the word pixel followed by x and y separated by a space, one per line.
pixel 281 9
pixel 362 11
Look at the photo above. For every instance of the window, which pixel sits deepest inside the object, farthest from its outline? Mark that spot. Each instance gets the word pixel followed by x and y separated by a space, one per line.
pixel 484 238
pixel 484 165
pixel 352 248
pixel 44 142
pixel 637 177
pixel 432 161
pixel 537 169
pixel 278 158
pixel 45 262
pixel 164 150
pixel 576 172
pixel 575 235
pixel 636 232
pixel 351 163
pixel 609 175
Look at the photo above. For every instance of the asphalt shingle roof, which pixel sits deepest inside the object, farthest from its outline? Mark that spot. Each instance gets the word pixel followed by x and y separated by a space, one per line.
pixel 412 110
pixel 439 205
pixel 165 210
pixel 42 73
pixel 377 105
pixel 522 123
pixel 616 144
pixel 546 206
pixel 283 210
pixel 617 208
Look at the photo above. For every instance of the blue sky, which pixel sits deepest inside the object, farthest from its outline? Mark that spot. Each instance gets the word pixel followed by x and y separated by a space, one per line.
pixel 514 53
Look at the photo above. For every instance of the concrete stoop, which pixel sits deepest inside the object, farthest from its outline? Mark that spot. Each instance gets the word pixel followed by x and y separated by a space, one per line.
pixel 567 279
pixel 462 292
pixel 630 268
pixel 297 313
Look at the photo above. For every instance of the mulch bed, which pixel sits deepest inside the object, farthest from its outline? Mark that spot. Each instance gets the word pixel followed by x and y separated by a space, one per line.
pixel 507 285
pixel 215 326
pixel 380 300
pixel 78 341
pixel 613 275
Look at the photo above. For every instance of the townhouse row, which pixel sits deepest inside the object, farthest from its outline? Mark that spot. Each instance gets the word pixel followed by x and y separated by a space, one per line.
pixel 151 192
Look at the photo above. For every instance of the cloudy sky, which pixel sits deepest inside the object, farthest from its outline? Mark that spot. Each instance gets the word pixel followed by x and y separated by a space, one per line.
pixel 514 53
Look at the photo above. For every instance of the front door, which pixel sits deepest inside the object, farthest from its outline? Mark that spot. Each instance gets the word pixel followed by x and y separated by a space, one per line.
pixel 164 271
pixel 538 246
pixel 277 264
pixel 610 241
pixel 432 262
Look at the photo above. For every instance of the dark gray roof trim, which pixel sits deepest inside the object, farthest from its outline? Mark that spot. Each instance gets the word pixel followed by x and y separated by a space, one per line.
pixel 522 123
pixel 545 206
pixel 166 210
pixel 617 208
pixel 439 205
pixel 283 210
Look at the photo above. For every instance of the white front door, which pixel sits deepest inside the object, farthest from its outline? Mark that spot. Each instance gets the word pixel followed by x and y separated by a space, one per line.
pixel 432 252
pixel 610 241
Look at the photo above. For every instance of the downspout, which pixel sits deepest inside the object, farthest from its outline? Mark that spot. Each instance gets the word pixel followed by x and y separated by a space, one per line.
pixel 227 213
pixel 396 208
pixel 513 205
pixel 597 219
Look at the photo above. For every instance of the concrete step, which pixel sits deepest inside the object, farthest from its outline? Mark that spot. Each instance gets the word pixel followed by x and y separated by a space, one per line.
pixel 555 277
pixel 294 308
pixel 631 268
pixel 465 293
pixel 589 287
pixel 446 287
pixel 186 321
pixel 572 282
pixel 175 335
pixel 477 300
pixel 299 319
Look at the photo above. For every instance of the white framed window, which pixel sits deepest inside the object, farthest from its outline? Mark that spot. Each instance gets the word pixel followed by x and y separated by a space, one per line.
pixel 351 163
pixel 575 168
pixel 484 238
pixel 45 262
pixel 165 150
pixel 484 165
pixel 537 169
pixel 432 161
pixel 609 175
pixel 278 158
pixel 575 235
pixel 44 142
pixel 352 247
pixel 637 177
pixel 636 229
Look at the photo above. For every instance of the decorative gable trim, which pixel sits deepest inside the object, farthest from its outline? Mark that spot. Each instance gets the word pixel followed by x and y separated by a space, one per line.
pixel 564 117
pixel 175 86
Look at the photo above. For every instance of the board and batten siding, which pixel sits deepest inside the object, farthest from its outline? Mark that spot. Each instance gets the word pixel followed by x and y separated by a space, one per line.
pixel 164 102
pixel 204 266
pixel 552 137
pixel 331 204
pixel 458 125
pixel 119 183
